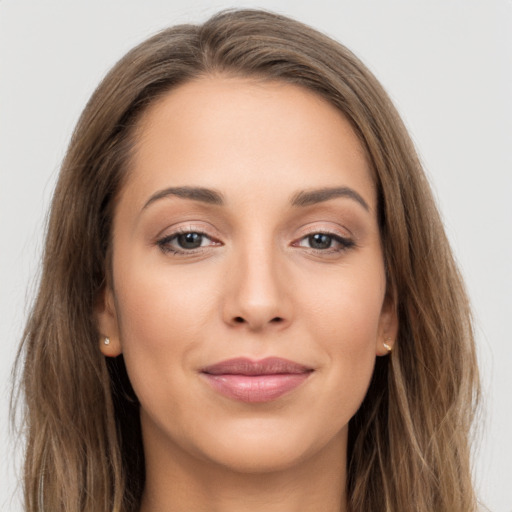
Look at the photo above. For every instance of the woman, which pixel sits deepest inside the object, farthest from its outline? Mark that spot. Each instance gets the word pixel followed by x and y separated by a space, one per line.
pixel 248 301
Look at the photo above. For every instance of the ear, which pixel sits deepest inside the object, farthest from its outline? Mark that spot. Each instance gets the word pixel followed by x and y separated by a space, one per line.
pixel 108 325
pixel 388 326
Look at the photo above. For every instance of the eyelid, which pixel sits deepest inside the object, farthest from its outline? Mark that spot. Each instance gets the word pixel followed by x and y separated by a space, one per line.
pixel 344 241
pixel 188 226
pixel 164 241
pixel 347 242
pixel 326 229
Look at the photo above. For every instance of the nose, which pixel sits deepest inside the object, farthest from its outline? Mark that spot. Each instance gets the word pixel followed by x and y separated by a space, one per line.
pixel 257 295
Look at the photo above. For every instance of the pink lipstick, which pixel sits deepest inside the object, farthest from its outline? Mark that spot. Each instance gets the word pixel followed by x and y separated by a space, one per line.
pixel 256 381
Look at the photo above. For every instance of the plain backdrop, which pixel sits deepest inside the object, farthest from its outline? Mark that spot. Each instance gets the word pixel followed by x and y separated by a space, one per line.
pixel 447 64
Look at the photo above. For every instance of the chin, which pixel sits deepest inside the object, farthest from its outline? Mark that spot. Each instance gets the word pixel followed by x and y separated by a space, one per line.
pixel 268 448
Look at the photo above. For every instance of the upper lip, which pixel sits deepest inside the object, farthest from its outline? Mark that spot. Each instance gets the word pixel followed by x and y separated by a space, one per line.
pixel 246 366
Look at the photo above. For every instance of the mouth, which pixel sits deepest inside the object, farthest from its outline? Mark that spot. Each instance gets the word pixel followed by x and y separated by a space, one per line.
pixel 251 381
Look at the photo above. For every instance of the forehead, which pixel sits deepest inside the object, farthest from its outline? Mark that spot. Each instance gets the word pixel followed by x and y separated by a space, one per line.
pixel 234 133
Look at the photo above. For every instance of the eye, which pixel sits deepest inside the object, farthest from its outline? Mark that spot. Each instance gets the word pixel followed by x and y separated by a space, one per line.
pixel 190 240
pixel 320 241
pixel 185 242
pixel 328 242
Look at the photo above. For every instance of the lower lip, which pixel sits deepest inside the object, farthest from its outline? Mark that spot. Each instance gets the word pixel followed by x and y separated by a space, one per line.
pixel 256 388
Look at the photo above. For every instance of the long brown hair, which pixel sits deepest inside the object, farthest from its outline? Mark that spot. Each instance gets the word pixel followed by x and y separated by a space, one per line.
pixel 409 441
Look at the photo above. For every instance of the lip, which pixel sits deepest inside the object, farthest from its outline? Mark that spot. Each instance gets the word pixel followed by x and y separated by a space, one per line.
pixel 252 381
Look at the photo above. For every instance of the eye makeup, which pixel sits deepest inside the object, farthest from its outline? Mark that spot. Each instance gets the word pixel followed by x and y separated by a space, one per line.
pixel 186 241
pixel 190 241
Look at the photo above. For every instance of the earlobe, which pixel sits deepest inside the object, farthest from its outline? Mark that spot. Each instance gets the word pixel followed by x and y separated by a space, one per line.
pixel 110 347
pixel 388 326
pixel 108 328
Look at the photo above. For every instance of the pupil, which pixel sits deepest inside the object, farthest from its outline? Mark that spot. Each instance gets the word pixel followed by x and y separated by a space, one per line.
pixel 320 241
pixel 190 240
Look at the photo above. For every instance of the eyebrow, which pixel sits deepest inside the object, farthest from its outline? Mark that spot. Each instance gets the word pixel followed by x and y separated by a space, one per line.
pixel 205 195
pixel 300 199
pixel 315 196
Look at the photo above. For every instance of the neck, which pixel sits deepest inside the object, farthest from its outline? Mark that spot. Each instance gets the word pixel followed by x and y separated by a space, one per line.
pixel 177 481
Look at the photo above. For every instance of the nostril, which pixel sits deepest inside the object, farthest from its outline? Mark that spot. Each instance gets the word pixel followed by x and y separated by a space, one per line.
pixel 241 320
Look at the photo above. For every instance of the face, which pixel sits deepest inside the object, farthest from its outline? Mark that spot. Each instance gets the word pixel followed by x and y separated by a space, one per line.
pixel 249 291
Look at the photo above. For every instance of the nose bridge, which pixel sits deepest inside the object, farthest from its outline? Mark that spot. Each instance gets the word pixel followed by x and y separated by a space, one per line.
pixel 257 293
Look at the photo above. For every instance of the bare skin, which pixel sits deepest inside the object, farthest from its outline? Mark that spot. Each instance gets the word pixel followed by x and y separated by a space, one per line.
pixel 247 227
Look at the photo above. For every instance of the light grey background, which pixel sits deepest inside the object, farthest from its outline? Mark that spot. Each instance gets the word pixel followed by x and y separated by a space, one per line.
pixel 446 63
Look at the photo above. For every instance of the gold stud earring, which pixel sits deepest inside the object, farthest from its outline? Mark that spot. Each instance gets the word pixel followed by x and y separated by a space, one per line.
pixel 387 345
pixel 106 341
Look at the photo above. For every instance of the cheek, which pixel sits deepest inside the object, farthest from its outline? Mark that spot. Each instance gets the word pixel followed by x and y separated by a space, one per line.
pixel 342 314
pixel 156 301
pixel 162 316
pixel 346 306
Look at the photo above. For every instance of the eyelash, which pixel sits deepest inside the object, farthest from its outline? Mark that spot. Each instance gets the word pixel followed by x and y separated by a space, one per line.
pixel 343 242
pixel 165 243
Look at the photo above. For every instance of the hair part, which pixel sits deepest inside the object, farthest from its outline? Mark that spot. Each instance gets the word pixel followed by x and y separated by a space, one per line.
pixel 409 441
